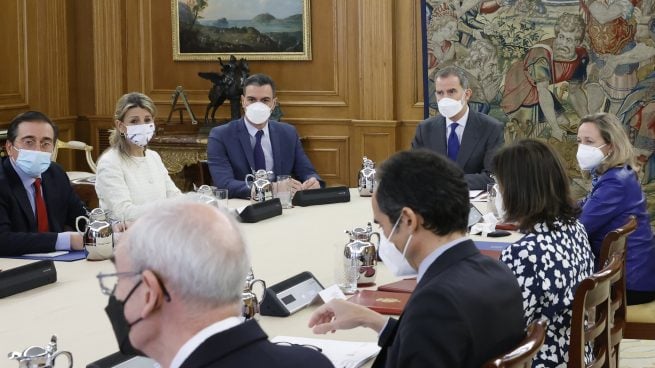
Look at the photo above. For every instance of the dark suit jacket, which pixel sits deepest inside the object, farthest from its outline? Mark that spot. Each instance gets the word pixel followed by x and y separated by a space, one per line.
pixel 247 345
pixel 466 309
pixel 483 135
pixel 230 155
pixel 18 231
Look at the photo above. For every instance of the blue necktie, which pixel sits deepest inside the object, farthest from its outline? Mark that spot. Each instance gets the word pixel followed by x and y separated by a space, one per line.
pixel 453 142
pixel 260 160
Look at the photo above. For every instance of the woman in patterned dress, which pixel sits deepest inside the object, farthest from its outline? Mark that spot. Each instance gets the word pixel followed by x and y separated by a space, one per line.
pixel 554 255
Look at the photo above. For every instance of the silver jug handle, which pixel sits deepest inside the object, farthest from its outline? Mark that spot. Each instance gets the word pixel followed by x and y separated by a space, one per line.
pixel 68 355
pixel 377 245
pixel 246 179
pixel 77 223
pixel 252 283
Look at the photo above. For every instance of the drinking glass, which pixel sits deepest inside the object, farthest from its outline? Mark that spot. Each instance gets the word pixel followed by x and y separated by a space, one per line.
pixel 283 190
pixel 221 197
pixel 346 270
pixel 491 199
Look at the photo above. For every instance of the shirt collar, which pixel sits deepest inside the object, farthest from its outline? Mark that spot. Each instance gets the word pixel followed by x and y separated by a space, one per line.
pixel 429 260
pixel 24 178
pixel 462 121
pixel 252 130
pixel 192 344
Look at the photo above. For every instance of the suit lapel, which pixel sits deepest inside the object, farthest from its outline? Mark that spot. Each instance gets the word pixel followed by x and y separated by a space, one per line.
pixel 441 136
pixel 470 138
pixel 20 193
pixel 224 343
pixel 275 145
pixel 244 138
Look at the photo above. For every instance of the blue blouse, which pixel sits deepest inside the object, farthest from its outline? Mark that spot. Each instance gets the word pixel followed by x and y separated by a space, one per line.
pixel 614 196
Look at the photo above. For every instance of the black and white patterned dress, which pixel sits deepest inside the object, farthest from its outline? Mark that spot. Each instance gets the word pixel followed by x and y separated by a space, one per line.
pixel 549 264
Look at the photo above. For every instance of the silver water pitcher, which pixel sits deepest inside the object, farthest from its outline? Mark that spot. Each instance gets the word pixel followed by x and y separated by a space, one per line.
pixel 260 181
pixel 366 182
pixel 98 235
pixel 250 300
pixel 38 357
pixel 364 251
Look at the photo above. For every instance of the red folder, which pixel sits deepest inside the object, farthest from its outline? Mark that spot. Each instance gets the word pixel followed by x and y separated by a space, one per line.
pixel 381 301
pixel 402 286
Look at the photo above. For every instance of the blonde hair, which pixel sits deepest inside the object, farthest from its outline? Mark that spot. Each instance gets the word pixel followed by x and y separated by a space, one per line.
pixel 612 132
pixel 126 102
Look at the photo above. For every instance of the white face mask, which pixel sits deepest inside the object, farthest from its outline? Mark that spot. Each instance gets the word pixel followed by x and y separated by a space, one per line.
pixel 33 163
pixel 499 203
pixel 589 157
pixel 258 112
pixel 140 134
pixel 449 107
pixel 391 256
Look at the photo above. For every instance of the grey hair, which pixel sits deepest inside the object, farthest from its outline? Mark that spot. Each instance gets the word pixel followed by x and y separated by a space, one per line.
pixel 454 71
pixel 196 249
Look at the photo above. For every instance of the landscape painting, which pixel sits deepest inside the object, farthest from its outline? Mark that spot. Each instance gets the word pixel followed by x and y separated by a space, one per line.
pixel 251 29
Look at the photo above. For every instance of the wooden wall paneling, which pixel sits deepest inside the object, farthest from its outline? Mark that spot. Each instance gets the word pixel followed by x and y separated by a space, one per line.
pixel 327 144
pixel 376 45
pixel 13 95
pixel 375 139
pixel 108 54
pixel 408 70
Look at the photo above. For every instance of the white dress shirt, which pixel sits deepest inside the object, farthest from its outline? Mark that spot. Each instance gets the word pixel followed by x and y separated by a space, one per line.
pixel 266 143
pixel 192 344
pixel 460 128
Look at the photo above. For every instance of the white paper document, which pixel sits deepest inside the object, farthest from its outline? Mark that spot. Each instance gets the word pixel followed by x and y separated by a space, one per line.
pixel 478 195
pixel 51 254
pixel 343 354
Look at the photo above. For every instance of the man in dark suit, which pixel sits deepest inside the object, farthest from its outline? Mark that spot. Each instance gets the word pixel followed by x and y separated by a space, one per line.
pixel 181 305
pixel 467 307
pixel 465 136
pixel 254 142
pixel 37 202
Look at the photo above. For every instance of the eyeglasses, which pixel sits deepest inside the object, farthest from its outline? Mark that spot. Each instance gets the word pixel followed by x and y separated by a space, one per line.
pixel 108 281
pixel 309 346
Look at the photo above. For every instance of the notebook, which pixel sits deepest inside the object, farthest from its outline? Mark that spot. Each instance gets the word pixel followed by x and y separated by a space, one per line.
pixel 384 302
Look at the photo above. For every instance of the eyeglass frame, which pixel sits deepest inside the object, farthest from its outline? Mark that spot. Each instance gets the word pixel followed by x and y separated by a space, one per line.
pixel 107 291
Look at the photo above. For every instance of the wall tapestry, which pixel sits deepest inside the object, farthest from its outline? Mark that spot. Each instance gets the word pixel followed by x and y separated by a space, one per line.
pixel 540 65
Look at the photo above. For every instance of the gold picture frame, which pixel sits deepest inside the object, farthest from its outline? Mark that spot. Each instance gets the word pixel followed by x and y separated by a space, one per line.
pixel 198 35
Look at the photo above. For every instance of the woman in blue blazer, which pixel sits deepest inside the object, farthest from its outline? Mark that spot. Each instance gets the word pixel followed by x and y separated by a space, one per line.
pixel 606 153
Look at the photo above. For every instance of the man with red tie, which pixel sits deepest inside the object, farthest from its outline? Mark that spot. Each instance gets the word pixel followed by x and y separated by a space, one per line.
pixel 37 202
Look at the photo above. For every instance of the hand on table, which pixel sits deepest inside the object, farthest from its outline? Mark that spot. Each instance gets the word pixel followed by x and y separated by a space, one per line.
pixel 77 242
pixel 339 314
pixel 311 183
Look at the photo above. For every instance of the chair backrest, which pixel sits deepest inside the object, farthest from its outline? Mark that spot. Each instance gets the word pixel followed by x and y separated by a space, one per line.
pixel 522 355
pixel 76 145
pixel 615 244
pixel 590 322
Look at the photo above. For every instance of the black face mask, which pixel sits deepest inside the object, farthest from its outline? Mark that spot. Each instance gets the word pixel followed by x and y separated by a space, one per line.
pixel 115 310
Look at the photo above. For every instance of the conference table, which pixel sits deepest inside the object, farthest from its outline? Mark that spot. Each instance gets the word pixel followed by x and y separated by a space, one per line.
pixel 301 239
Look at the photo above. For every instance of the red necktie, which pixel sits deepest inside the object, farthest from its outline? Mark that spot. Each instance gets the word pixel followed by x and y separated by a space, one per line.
pixel 41 213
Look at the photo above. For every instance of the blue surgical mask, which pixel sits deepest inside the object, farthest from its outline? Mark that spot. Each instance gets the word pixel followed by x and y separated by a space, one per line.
pixel 391 256
pixel 33 163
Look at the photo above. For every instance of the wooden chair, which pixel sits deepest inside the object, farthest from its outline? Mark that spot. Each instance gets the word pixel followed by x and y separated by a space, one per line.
pixel 521 356
pixel 81 146
pixel 615 243
pixel 83 182
pixel 590 323
pixel 638 320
